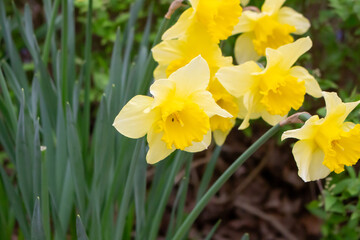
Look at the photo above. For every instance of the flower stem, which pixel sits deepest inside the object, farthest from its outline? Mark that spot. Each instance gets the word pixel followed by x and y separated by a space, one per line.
pixel 222 179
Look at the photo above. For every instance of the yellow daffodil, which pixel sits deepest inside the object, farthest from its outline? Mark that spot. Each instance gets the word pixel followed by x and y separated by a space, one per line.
pixel 271 28
pixel 221 126
pixel 270 93
pixel 177 116
pixel 174 54
pixel 326 144
pixel 216 17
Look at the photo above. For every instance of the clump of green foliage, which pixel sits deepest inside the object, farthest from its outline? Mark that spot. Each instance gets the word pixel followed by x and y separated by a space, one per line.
pixel 339 206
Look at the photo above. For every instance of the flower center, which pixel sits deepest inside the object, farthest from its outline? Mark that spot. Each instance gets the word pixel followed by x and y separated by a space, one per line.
pixel 183 126
pixel 269 33
pixel 343 151
pixel 281 92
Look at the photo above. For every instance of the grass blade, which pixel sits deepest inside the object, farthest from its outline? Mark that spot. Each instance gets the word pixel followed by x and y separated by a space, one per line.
pixel 213 230
pixel 80 230
pixel 37 229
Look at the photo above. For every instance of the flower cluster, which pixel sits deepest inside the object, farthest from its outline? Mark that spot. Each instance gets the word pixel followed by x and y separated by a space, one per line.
pixel 199 93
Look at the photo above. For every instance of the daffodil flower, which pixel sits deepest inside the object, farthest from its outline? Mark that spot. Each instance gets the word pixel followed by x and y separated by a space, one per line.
pixel 326 144
pixel 219 125
pixel 216 17
pixel 177 116
pixel 174 54
pixel 271 28
pixel 270 93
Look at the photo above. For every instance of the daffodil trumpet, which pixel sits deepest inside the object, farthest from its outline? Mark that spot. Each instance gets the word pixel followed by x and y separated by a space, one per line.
pixel 177 116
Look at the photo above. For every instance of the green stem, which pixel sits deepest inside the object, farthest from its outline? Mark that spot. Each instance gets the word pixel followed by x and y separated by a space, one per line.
pixel 50 32
pixel 222 179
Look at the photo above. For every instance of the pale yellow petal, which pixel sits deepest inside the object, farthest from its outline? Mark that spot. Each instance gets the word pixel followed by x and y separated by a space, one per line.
pixel 332 102
pixel 272 6
pixel 347 126
pixel 244 49
pixel 238 80
pixel 307 131
pixel 336 109
pixel 312 86
pixel 289 16
pixel 160 72
pixel 288 54
pixel 133 121
pixel 271 119
pixel 251 102
pixel 178 30
pixel 220 136
pixel 200 146
pixel 245 24
pixel 157 148
pixel 167 51
pixel 192 77
pixel 245 2
pixel 350 106
pixel 194 3
pixel 309 159
pixel 206 102
pixel 161 89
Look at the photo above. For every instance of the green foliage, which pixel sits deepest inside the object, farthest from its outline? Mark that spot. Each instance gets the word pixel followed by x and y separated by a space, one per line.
pixel 339 207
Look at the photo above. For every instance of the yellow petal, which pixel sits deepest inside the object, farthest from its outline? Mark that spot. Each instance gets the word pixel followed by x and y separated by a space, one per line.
pixel 244 48
pixel 311 85
pixel 206 102
pixel 309 160
pixel 307 131
pixel 178 30
pixel 157 148
pixel 272 6
pixel 133 121
pixel 192 77
pixel 238 80
pixel 288 54
pixel 289 16
pixel 200 146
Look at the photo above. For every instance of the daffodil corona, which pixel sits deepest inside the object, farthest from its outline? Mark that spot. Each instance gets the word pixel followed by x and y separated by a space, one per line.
pixel 216 17
pixel 270 93
pixel 174 54
pixel 177 116
pixel 326 144
pixel 270 28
